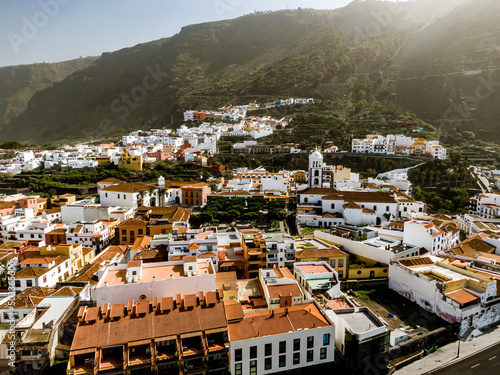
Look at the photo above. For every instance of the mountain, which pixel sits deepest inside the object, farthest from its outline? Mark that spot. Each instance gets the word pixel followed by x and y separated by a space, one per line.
pixel 450 70
pixel 367 56
pixel 19 83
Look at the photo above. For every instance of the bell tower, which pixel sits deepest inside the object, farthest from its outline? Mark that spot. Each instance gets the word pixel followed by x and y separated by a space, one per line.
pixel 316 169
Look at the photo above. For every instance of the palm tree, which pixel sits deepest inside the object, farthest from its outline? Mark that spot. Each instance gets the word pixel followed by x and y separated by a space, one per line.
pixel 142 194
pixel 423 175
pixel 161 193
pixel 151 191
pixel 4 264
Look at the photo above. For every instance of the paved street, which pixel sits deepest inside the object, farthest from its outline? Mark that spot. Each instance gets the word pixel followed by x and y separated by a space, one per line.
pixel 485 362
pixel 447 355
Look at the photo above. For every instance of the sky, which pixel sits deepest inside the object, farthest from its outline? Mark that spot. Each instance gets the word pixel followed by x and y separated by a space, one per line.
pixel 33 31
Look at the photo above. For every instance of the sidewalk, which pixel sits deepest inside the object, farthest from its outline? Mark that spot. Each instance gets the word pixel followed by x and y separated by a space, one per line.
pixel 448 354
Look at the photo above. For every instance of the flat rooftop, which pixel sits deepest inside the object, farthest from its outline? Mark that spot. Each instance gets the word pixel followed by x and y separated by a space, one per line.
pixel 312 268
pixel 310 243
pixel 360 321
pixel 160 272
pixel 436 271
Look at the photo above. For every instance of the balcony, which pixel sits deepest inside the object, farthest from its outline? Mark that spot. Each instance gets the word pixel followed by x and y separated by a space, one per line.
pixel 194 366
pixel 111 359
pixel 217 363
pixel 84 364
pixel 217 341
pixel 139 355
pixel 192 345
pixel 166 351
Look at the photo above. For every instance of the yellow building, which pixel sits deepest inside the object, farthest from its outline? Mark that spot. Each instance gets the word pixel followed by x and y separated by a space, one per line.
pixel 132 163
pixel 228 283
pixel 312 249
pixel 341 173
pixel 364 268
pixel 299 176
pixel 79 256
pixel 418 148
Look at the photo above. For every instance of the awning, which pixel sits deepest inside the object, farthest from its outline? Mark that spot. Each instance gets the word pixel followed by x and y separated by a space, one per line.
pixel 232 264
pixel 166 338
pixel 188 335
pixel 140 342
pixel 216 330
pixel 82 351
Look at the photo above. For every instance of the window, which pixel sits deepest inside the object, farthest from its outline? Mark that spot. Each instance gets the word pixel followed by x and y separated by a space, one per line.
pixel 322 353
pixel 332 263
pixel 237 369
pixel 282 360
pixel 387 208
pixel 341 274
pixel 29 283
pixel 253 352
pixel 326 339
pixel 282 347
pixel 268 349
pixel 306 200
pixel 310 356
pixel 124 232
pixel 333 206
pixel 310 342
pixel 253 367
pixel 268 363
pixel 238 355
pixel 296 358
pixel 118 196
pixel 140 231
pixel 341 262
pixel 18 283
pixel 296 344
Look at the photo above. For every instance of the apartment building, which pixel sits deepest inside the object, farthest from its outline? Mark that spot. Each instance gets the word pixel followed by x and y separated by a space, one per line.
pixel 181 335
pixel 280 340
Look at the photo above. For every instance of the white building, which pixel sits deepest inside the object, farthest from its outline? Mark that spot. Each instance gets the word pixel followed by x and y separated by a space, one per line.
pixel 42 271
pixel 123 282
pixel 280 340
pixel 94 234
pixel 280 249
pixel 280 287
pixel 449 289
pixel 317 277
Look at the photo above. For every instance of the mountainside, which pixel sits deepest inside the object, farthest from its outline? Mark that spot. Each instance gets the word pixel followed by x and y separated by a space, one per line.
pixel 364 58
pixel 19 83
pixel 450 70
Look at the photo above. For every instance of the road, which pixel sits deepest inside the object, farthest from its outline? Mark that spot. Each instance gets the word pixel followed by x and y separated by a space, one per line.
pixel 483 182
pixel 484 362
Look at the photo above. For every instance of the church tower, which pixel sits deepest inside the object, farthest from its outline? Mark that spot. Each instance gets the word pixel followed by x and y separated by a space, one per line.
pixel 316 169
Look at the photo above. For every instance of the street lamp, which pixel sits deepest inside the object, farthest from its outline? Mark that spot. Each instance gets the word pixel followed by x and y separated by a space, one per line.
pixel 459 338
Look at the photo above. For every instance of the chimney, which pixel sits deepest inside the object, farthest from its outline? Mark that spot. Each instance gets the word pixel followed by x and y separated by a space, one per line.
pixel 105 310
pixel 130 306
pixel 155 303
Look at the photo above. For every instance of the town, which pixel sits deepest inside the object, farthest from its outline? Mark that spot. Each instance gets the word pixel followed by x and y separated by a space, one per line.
pixel 242 271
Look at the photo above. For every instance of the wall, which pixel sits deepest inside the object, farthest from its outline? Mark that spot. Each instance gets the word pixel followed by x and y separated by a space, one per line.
pixel 357 248
pixel 260 342
pixel 159 288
